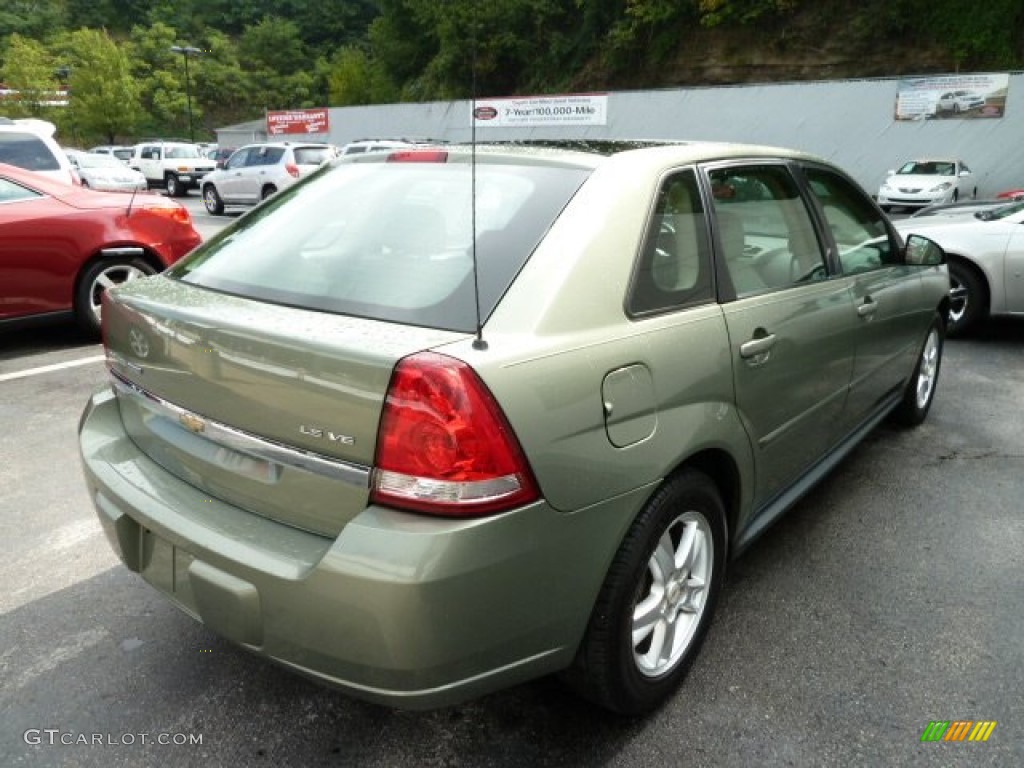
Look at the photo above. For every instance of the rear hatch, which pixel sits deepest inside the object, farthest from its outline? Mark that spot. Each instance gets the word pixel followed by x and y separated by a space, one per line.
pixel 270 408
pixel 257 368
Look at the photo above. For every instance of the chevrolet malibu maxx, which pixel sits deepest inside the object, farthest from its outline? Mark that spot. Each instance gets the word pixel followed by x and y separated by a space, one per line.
pixel 439 420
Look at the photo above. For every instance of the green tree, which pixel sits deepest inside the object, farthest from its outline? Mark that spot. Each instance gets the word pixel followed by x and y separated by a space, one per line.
pixel 354 78
pixel 30 69
pixel 105 101
pixel 31 18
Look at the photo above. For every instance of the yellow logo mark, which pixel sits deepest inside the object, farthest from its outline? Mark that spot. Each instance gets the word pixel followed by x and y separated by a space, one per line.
pixel 191 422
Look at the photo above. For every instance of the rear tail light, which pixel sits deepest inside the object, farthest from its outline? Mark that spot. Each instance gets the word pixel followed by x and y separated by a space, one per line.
pixel 177 213
pixel 419 156
pixel 444 446
pixel 293 169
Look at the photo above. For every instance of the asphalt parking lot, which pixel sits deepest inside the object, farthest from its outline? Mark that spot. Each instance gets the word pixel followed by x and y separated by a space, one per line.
pixel 891 596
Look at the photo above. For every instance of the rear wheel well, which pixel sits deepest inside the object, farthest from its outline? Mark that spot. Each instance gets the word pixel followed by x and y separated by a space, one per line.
pixel 721 468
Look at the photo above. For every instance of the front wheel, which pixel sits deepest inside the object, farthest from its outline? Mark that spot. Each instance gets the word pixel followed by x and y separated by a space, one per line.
pixel 968 299
pixel 212 200
pixel 920 391
pixel 657 600
pixel 173 186
pixel 94 282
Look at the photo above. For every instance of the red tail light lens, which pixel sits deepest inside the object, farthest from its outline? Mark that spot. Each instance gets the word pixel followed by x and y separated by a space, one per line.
pixel 444 446
pixel 177 213
pixel 293 169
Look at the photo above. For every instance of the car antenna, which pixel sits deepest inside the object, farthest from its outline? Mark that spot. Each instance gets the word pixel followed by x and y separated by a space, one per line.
pixel 478 342
pixel 131 202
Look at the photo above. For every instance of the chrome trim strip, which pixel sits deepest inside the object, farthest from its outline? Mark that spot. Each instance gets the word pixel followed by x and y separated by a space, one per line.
pixel 243 442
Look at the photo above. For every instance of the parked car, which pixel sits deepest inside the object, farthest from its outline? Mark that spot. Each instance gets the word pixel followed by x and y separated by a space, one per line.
pixel 122 153
pixel 62 246
pixel 256 171
pixel 959 101
pixel 955 209
pixel 28 143
pixel 920 183
pixel 105 172
pixel 986 259
pixel 1011 194
pixel 375 145
pixel 422 448
pixel 173 166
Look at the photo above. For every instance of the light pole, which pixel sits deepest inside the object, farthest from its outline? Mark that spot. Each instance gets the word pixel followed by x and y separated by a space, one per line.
pixel 63 74
pixel 186 51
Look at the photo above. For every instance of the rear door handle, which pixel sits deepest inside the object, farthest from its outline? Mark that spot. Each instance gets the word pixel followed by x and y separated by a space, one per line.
pixel 757 348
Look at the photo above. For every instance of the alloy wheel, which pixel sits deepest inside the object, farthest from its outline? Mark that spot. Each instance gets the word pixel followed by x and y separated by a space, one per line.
pixel 673 595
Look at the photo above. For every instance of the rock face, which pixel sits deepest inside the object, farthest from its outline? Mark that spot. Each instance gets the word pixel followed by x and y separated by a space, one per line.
pixel 810 46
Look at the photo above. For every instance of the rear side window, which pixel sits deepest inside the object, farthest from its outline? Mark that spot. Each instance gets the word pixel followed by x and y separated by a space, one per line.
pixel 766 237
pixel 26 150
pixel 264 155
pixel 389 241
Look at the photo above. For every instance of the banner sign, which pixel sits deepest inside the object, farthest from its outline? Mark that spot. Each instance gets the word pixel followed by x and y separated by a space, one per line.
pixel 531 111
pixel 297 121
pixel 952 96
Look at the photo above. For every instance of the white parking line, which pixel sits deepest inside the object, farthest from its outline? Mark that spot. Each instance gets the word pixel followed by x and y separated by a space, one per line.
pixel 50 368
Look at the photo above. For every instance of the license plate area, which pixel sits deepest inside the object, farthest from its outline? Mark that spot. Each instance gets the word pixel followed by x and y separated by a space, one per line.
pixel 165 567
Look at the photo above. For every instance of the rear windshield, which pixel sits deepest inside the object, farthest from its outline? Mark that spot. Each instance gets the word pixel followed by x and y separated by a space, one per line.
pixel 389 241
pixel 26 150
pixel 313 155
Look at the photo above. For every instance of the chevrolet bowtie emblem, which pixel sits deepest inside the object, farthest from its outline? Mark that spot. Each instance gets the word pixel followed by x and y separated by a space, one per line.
pixel 191 422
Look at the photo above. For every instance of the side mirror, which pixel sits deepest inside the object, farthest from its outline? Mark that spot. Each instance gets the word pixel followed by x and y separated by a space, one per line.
pixel 922 252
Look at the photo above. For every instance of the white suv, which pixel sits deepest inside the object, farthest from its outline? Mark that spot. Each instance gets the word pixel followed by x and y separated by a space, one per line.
pixel 28 143
pixel 173 166
pixel 256 171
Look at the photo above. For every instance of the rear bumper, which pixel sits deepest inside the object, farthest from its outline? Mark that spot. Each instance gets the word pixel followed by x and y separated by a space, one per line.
pixel 400 609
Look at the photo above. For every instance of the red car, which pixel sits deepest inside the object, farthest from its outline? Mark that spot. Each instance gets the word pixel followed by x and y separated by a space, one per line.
pixel 62 246
pixel 1011 194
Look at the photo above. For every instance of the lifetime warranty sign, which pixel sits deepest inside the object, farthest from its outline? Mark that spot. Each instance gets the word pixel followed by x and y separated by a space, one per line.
pixel 298 121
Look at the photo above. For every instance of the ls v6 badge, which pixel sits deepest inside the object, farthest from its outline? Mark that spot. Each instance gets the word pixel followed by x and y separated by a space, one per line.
pixel 321 433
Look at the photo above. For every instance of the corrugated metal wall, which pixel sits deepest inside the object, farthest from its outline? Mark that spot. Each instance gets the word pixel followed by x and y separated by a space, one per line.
pixel 849 122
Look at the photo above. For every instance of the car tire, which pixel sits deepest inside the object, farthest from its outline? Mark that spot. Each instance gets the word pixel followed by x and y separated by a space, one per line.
pixel 956 196
pixel 968 298
pixel 172 185
pixel 212 201
pixel 96 279
pixel 920 390
pixel 886 208
pixel 267 191
pixel 657 600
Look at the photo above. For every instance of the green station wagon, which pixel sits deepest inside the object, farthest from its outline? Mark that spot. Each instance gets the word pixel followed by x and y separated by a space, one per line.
pixel 439 420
